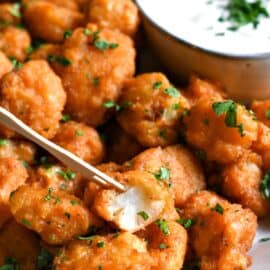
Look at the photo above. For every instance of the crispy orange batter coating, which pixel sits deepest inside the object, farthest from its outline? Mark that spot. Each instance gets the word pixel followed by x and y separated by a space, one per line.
pixel 168 250
pixel 18 149
pixel 20 244
pixel 114 14
pixel 49 21
pixel 144 194
pixel 55 215
pixel 96 73
pixel 70 4
pixel 14 42
pixel 223 232
pixel 209 132
pixel 154 111
pixel 120 146
pixel 35 95
pixel 241 183
pixel 7 12
pixel 81 140
pixel 185 172
pixel 262 110
pixel 44 51
pixel 113 252
pixel 59 178
pixel 12 175
pixel 5 64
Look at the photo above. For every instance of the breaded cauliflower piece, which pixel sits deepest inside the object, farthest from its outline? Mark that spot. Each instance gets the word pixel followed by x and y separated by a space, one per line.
pixel 222 129
pixel 9 14
pixel 222 234
pixel 154 111
pixel 241 183
pixel 5 65
pixel 144 201
pixel 81 140
pixel 19 245
pixel 14 42
pixel 12 175
pixel 114 14
pixel 55 215
pixel 43 52
pixel 175 164
pixel 97 64
pixel 113 252
pixel 262 110
pixel 49 21
pixel 34 94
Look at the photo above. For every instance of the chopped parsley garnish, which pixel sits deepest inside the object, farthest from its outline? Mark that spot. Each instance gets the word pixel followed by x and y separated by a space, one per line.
pixel 265 185
pixel 15 10
pixel 163 226
pixel 3 142
pixel 218 208
pixel 100 244
pixel 111 104
pixel 163 174
pixel 157 85
pixel 266 239
pixel 228 107
pixel 63 186
pixel 59 59
pixel 267 113
pixel 67 34
pixel 44 260
pixel 25 164
pixel 79 133
pixel 185 112
pixel 36 44
pixel 67 175
pixel 86 238
pixel 186 223
pixel 243 12
pixel 65 118
pixel 15 63
pixel 10 264
pixel 73 202
pixel 175 106
pixel 26 222
pixel 104 45
pixel 95 81
pixel 87 32
pixel 48 196
pixel 143 214
pixel 162 246
pixel 171 91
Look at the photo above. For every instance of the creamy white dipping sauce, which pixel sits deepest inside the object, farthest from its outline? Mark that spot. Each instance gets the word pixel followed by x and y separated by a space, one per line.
pixel 196 22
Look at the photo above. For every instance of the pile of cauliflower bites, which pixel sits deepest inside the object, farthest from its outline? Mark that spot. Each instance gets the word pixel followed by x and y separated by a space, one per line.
pixel 195 163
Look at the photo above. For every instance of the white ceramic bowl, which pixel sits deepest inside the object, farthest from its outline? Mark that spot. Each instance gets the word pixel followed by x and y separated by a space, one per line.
pixel 244 77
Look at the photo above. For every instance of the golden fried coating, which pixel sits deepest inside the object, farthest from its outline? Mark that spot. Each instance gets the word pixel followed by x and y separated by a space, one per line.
pixel 113 252
pixel 199 88
pixel 9 14
pixel 81 140
pixel 154 111
pixel 22 150
pixel 114 14
pixel 58 178
pixel 14 42
pixel 184 171
pixel 99 63
pixel 43 52
pixel 120 146
pixel 241 183
pixel 18 244
pixel 49 21
pixel 35 95
pixel 145 201
pixel 262 110
pixel 57 216
pixel 5 64
pixel 12 175
pixel 222 233
pixel 222 129
pixel 166 245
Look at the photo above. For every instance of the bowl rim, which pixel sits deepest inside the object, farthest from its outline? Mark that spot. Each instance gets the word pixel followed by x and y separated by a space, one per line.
pixel 256 56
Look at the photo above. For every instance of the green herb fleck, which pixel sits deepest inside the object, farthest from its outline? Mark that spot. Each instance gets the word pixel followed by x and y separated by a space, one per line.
pixel 65 118
pixel 87 32
pixel 267 113
pixel 67 34
pixel 143 214
pixel 265 185
pixel 68 215
pixel 59 59
pixel 73 202
pixel 175 106
pixel 171 91
pixel 157 85
pixel 48 195
pixel 3 142
pixel 163 226
pixel 15 63
pixel 10 264
pixel 15 10
pixel 186 223
pixel 111 104
pixel 44 260
pixel 218 208
pixel 266 239
pixel 26 222
pixel 79 133
pixel 162 246
pixel 104 45
pixel 163 174
pixel 100 244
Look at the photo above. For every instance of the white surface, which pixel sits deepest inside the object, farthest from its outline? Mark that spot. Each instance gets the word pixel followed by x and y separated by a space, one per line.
pixel 196 21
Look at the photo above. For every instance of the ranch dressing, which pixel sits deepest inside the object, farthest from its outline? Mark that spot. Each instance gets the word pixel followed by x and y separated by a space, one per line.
pixel 197 23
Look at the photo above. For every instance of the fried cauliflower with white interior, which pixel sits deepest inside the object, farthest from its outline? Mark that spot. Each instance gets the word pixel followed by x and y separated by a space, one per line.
pixel 153 108
pixel 35 95
pixel 93 65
